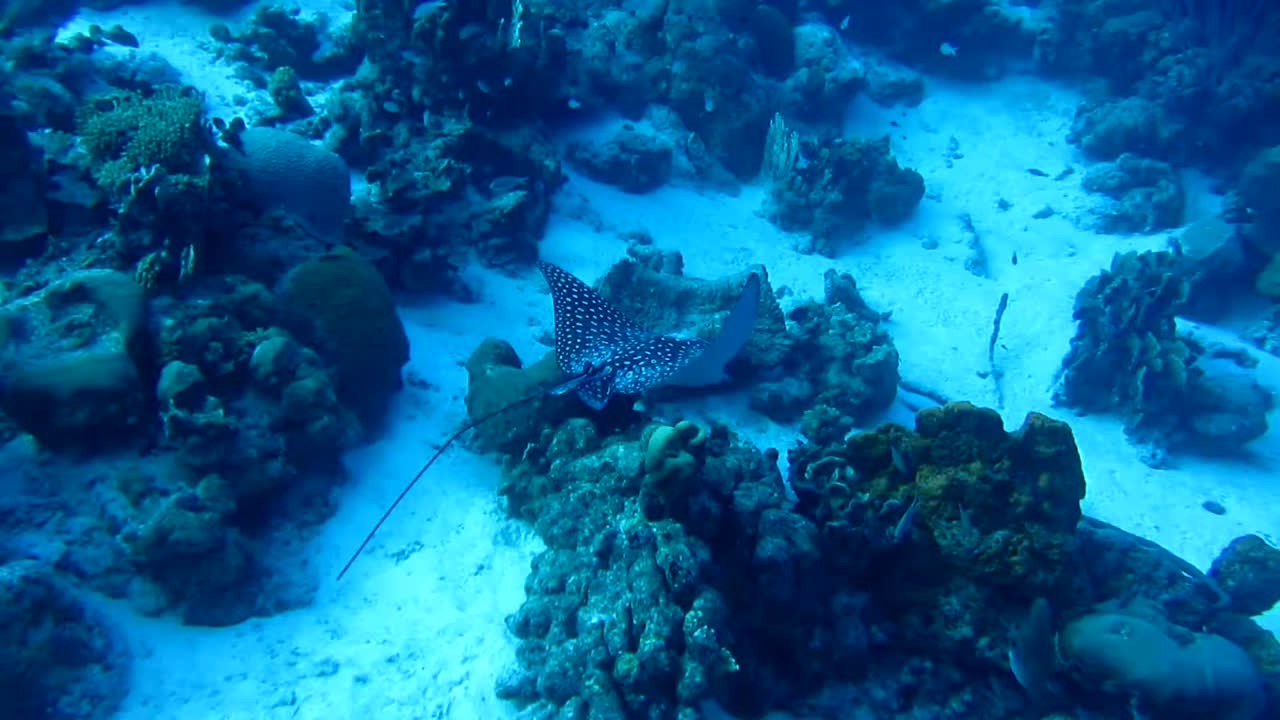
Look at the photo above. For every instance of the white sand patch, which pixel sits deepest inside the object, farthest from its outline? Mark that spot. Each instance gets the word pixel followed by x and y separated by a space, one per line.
pixel 179 33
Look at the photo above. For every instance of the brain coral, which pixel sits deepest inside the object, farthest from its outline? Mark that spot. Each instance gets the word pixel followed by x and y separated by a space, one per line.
pixel 351 309
pixel 285 171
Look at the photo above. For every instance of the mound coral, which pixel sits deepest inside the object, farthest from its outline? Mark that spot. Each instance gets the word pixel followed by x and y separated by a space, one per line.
pixel 349 308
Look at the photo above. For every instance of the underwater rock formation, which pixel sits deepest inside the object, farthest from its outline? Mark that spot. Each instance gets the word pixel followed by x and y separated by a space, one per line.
pixel 633 161
pixel 78 361
pixel 1127 357
pixel 673 302
pixel 1179 82
pixel 829 186
pixel 1144 625
pixel 1249 572
pixel 350 312
pixel 496 378
pixel 1146 195
pixel 58 659
pixel 734 597
pixel 678 574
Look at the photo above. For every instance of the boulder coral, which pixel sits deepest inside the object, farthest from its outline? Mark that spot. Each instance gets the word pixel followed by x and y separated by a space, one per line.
pixel 342 301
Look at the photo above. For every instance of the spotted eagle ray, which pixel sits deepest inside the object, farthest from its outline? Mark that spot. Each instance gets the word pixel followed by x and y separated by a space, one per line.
pixel 604 353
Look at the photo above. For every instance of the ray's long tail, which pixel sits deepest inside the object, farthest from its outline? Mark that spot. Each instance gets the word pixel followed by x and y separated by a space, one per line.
pixel 395 503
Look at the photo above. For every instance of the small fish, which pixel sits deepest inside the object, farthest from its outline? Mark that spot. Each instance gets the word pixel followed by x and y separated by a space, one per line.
pixel 505 184
pixel 426 9
pixel 903 529
pixel 1032 656
pixel 902 461
pixel 114 34
pixel 471 30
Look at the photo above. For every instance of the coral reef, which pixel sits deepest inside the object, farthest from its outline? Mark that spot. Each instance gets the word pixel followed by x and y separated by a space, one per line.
pixel 462 190
pixel 125 133
pixel 983 36
pixel 1256 188
pixel 1128 358
pixel 1249 572
pixel 606 562
pixel 677 574
pixel 844 367
pixel 631 160
pixel 673 457
pixel 1188 83
pixel 1107 129
pixel 277 38
pixel 213 321
pixel 1146 195
pixel 23 184
pixel 1265 333
pixel 830 187
pixel 58 659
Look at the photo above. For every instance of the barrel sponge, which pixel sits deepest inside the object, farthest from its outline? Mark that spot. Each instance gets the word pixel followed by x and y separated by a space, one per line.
pixel 285 171
pixel 343 298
